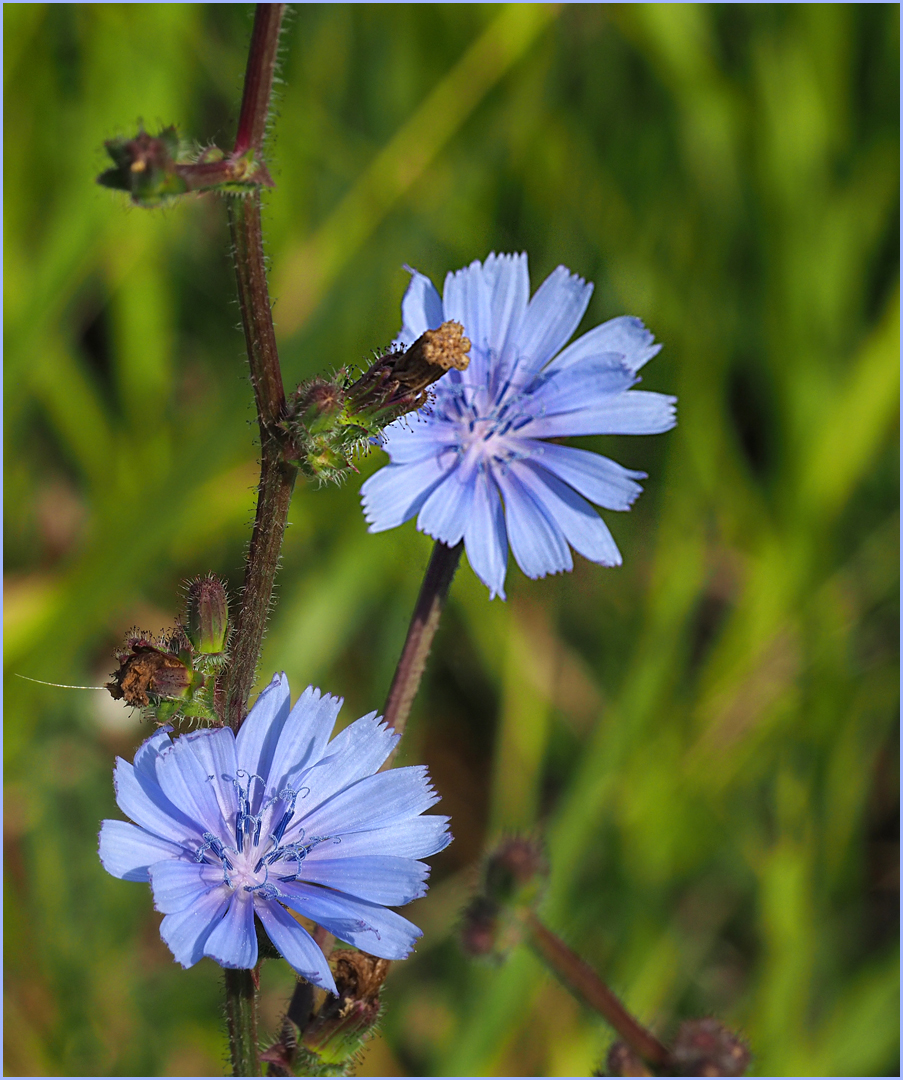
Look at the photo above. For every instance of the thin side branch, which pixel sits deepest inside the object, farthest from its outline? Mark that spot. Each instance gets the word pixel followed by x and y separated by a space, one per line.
pixel 582 981
pixel 424 623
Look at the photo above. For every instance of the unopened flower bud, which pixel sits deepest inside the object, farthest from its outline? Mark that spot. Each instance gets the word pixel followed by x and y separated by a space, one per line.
pixel 145 167
pixel 480 927
pixel 155 168
pixel 282 1054
pixel 707 1048
pixel 207 621
pixel 344 1023
pixel 331 421
pixel 516 872
pixel 623 1061
pixel 318 403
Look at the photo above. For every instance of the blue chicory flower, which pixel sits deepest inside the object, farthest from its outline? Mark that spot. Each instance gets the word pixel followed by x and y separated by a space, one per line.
pixel 476 464
pixel 229 827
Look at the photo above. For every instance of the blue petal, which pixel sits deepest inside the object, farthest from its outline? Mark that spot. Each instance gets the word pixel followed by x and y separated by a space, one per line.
pixel 186 932
pixel 140 797
pixel 413 438
pixel 584 529
pixel 296 945
pixel 551 317
pixel 370 927
pixel 381 879
pixel 178 884
pixel 636 412
pixel 396 493
pixel 371 803
pixel 536 540
pixel 446 512
pixel 214 750
pixel 465 298
pixel 508 281
pixel 127 851
pixel 187 783
pixel 258 736
pixel 485 537
pixel 147 756
pixel 625 335
pixel 354 753
pixel 303 739
pixel 233 942
pixel 412 839
pixel 421 308
pixel 601 480
pixel 592 383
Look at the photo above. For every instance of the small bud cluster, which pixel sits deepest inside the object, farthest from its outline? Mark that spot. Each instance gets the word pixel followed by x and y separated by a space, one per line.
pixel 702 1048
pixel 175 674
pixel 707 1048
pixel 154 169
pixel 324 1041
pixel 514 877
pixel 331 421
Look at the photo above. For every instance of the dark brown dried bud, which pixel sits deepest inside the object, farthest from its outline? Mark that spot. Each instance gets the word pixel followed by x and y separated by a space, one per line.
pixel 623 1061
pixel 146 672
pixel 398 381
pixel 707 1048
pixel 431 355
pixel 358 974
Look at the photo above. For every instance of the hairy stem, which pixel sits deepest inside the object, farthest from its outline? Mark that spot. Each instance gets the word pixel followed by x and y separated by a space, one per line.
pixel 255 101
pixel 256 316
pixel 424 623
pixel 277 477
pixel 274 495
pixel 582 981
pixel 241 1020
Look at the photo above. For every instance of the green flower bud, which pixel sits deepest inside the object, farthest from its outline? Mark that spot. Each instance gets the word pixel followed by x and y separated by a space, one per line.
pixel 207 622
pixel 145 167
pixel 156 168
pixel 344 1023
pixel 330 421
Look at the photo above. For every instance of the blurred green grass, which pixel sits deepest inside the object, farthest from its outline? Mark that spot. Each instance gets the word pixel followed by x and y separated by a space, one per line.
pixel 706 737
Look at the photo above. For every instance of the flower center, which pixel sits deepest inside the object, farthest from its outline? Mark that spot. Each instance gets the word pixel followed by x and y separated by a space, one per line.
pixel 255 857
pixel 485 425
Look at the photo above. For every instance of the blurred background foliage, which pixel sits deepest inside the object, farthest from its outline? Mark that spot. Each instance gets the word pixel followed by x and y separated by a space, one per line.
pixel 706 737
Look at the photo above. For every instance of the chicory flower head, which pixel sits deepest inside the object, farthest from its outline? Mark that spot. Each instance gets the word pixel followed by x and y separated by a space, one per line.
pixel 476 464
pixel 229 827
